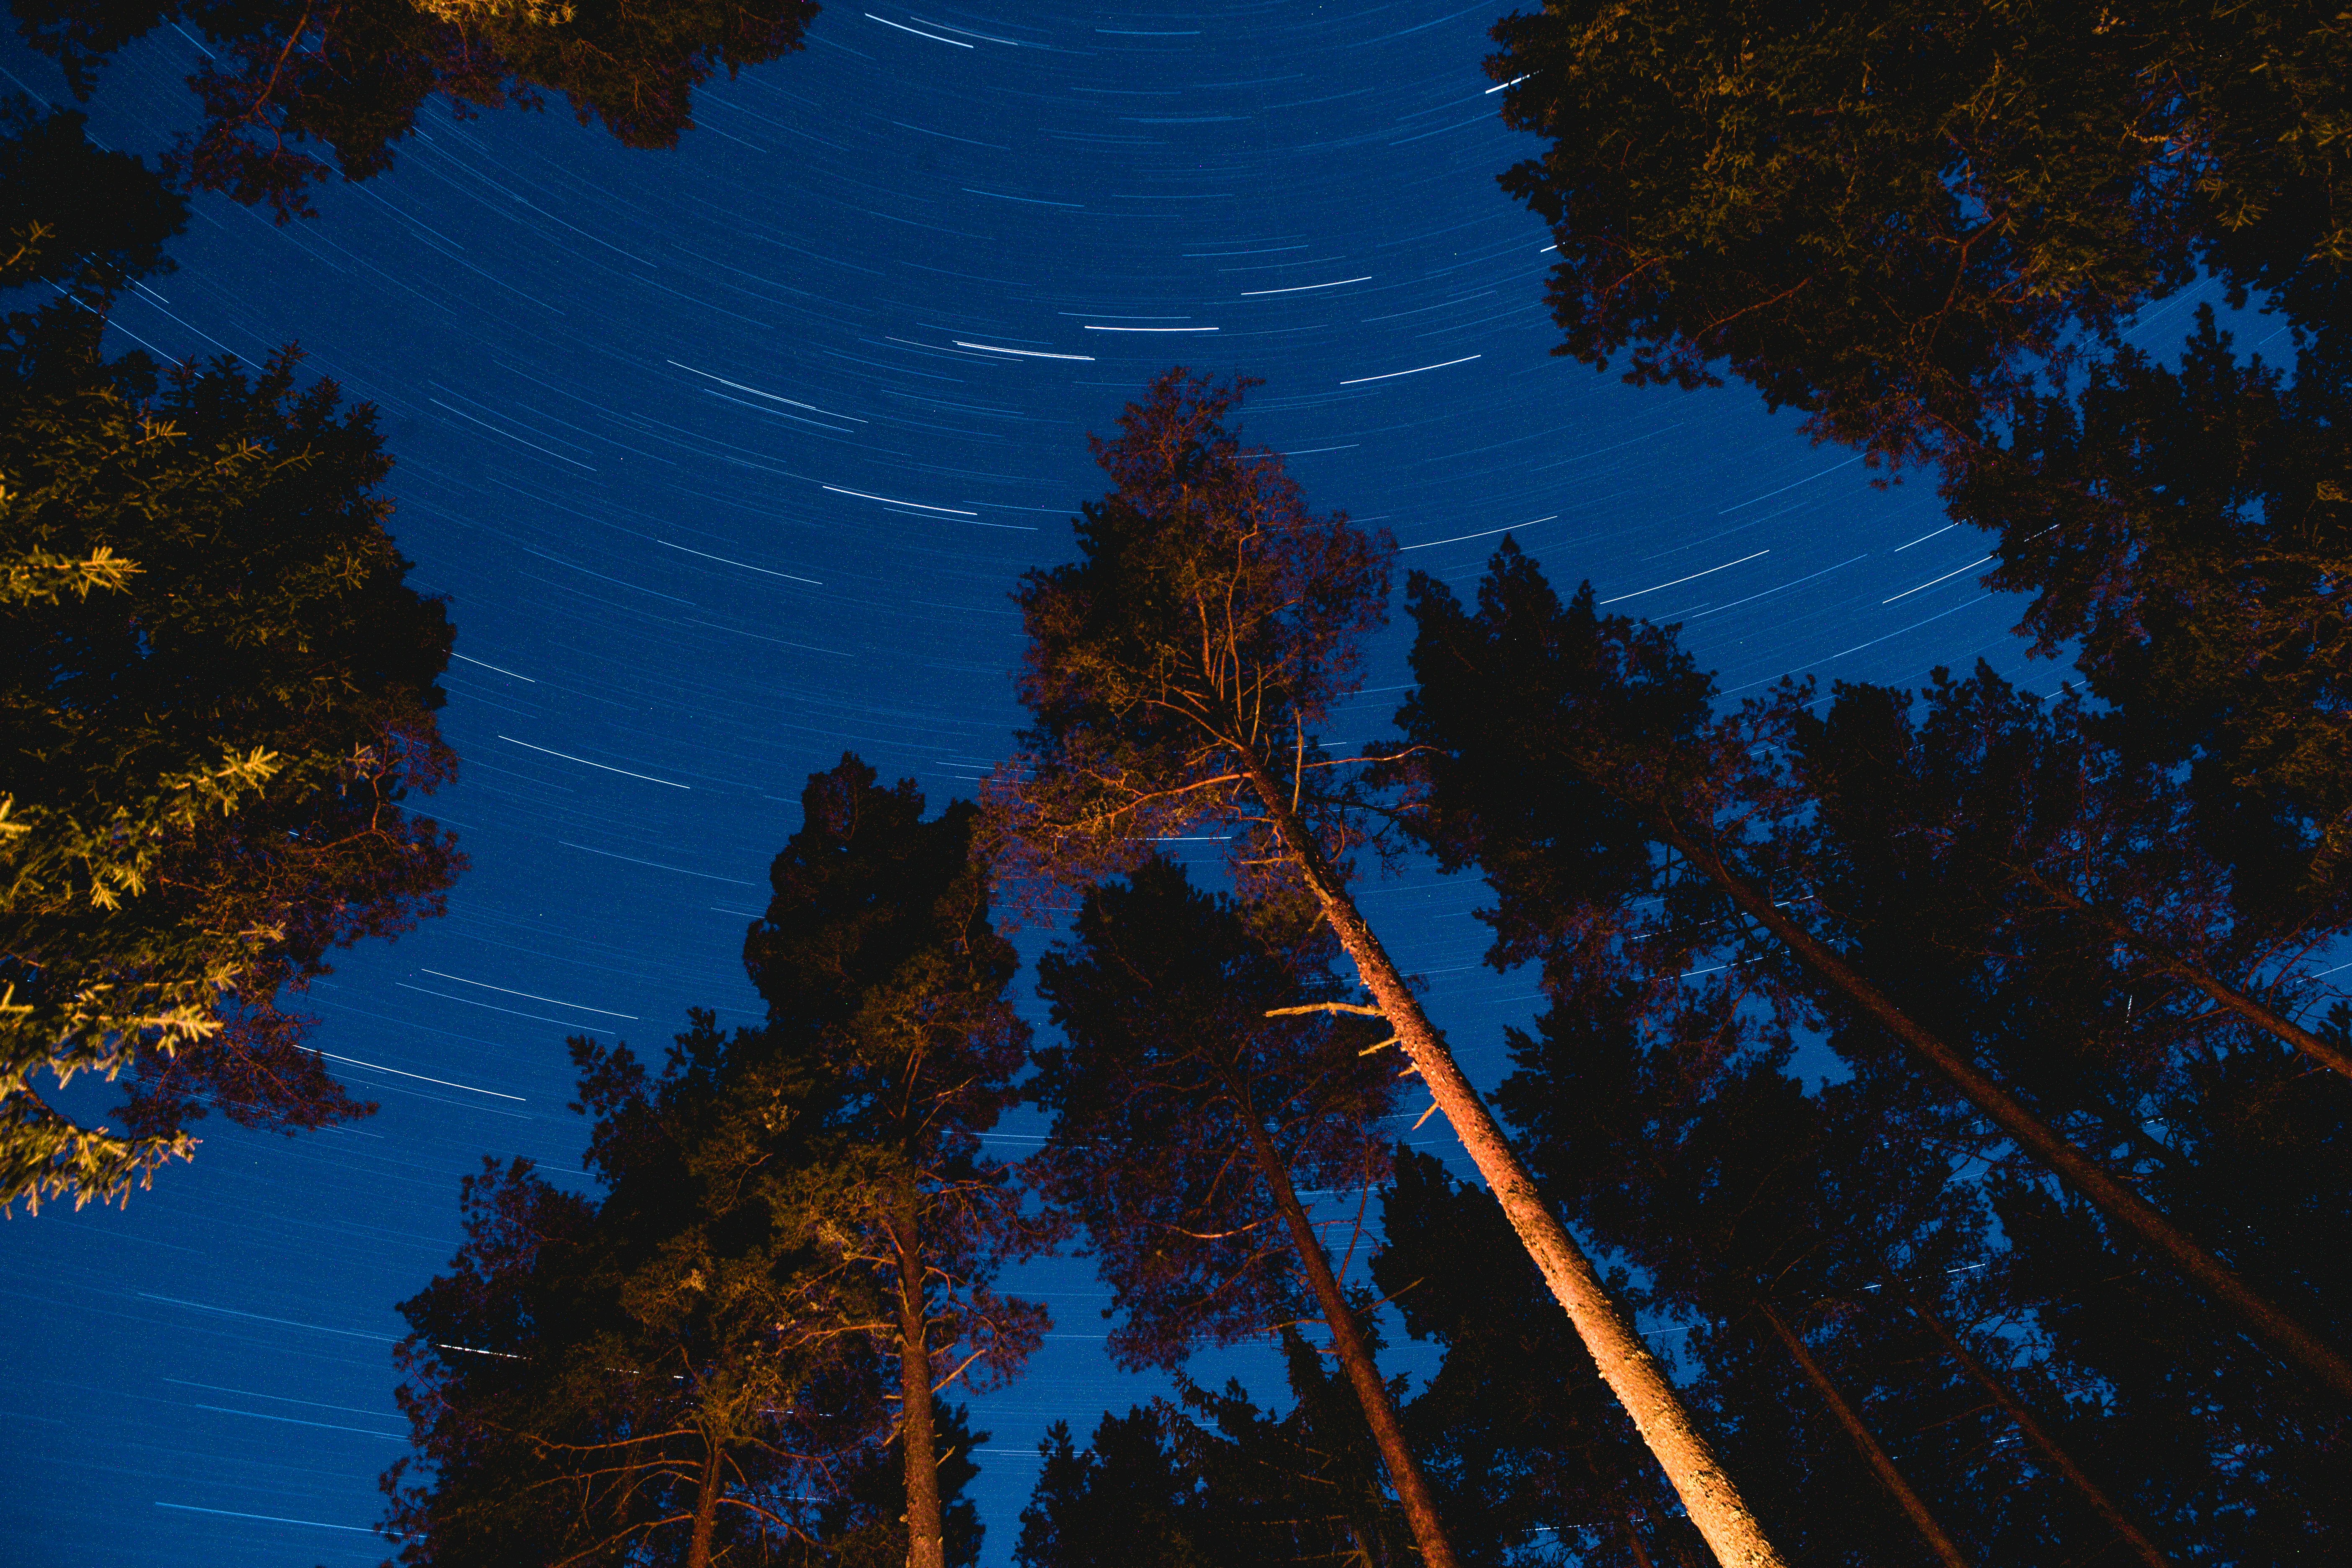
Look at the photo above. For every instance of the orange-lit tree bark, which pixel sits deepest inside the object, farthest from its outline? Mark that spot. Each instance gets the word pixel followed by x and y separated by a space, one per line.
pixel 1173 673
pixel 1561 746
pixel 1173 1067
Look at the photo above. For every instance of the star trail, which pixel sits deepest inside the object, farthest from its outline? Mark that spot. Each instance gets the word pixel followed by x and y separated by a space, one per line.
pixel 727 459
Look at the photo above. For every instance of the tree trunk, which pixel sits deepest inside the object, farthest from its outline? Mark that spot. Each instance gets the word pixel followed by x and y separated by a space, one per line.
pixel 2117 1202
pixel 2019 1412
pixel 1632 1373
pixel 1355 1355
pixel 706 1507
pixel 1865 1442
pixel 925 1535
pixel 2197 975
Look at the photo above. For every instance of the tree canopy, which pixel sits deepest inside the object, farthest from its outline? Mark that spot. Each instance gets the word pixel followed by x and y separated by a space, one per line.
pixel 1892 218
pixel 291 93
pixel 219 695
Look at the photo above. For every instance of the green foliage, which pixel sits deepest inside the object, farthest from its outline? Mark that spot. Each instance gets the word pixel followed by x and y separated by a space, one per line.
pixel 608 1383
pixel 282 78
pixel 216 687
pixel 1889 217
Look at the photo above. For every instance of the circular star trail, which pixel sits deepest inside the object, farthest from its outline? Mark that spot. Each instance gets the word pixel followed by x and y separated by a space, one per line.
pixel 727 459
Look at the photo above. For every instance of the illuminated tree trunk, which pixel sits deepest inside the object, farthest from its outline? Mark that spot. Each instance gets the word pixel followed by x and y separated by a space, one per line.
pixel 1355 1356
pixel 1865 1442
pixel 925 1535
pixel 2112 1198
pixel 706 1506
pixel 2030 1425
pixel 1633 1373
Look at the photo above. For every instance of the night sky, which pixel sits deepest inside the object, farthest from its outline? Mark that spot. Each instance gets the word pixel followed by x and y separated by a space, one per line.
pixel 727 459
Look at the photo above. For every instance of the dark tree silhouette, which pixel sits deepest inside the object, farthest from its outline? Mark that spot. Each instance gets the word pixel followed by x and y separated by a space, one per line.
pixel 1528 709
pixel 348 76
pixel 73 215
pixel 1890 218
pixel 1215 1480
pixel 1530 1467
pixel 1173 673
pixel 1196 1092
pixel 885 984
pixel 2184 530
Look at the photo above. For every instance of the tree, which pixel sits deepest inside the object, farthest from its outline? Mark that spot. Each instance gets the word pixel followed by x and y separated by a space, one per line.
pixel 218 694
pixel 1173 672
pixel 2184 530
pixel 628 1383
pixel 282 78
pixel 72 213
pixel 1893 218
pixel 1215 1479
pixel 885 984
pixel 1531 1467
pixel 1197 1090
pixel 1526 695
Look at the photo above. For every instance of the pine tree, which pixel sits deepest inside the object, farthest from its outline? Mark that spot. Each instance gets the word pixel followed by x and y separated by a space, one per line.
pixel 1198 1091
pixel 1528 710
pixel 663 1377
pixel 885 982
pixel 1173 673
pixel 1890 218
pixel 282 78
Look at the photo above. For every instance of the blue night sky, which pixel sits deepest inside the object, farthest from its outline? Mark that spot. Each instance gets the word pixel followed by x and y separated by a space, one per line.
pixel 727 459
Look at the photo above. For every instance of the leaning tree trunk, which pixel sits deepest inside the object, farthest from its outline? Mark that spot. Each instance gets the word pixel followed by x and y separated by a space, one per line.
pixel 2202 978
pixel 1632 1373
pixel 2117 1202
pixel 1355 1355
pixel 1865 1442
pixel 925 1535
pixel 2030 1425
pixel 706 1506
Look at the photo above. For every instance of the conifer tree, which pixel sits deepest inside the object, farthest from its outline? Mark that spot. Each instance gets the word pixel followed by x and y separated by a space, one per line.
pixel 217 697
pixel 1890 218
pixel 638 1381
pixel 1212 1479
pixel 1173 673
pixel 1530 1467
pixel 1565 753
pixel 1196 1093
pixel 282 78
pixel 885 982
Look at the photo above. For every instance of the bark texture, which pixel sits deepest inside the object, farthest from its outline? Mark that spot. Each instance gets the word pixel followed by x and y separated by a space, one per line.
pixel 926 1533
pixel 1633 1374
pixel 706 1506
